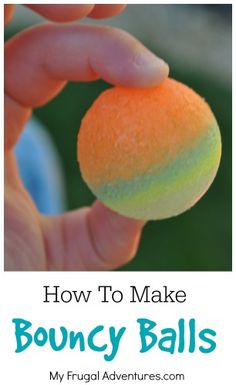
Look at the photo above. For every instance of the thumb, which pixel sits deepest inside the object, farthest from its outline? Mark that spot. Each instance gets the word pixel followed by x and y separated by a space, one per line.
pixel 88 239
pixel 114 236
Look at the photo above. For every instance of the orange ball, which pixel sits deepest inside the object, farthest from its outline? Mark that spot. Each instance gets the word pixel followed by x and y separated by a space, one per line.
pixel 149 153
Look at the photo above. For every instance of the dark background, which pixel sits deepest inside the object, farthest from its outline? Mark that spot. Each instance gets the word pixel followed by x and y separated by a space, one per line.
pixel 199 239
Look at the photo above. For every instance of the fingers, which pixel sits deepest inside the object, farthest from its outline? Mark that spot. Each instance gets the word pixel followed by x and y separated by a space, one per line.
pixel 8 13
pixel 90 239
pixel 15 117
pixel 62 12
pixel 67 13
pixel 40 60
pixel 101 11
pixel 71 12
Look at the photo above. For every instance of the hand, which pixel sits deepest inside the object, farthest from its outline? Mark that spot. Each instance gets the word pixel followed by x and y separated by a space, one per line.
pixel 38 63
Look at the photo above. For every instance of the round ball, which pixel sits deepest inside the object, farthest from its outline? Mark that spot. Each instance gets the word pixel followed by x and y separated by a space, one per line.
pixel 149 153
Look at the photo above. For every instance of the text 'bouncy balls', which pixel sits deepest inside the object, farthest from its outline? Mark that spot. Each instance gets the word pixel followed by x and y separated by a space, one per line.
pixel 149 153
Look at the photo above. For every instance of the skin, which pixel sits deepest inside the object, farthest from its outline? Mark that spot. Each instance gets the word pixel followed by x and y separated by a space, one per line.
pixel 91 238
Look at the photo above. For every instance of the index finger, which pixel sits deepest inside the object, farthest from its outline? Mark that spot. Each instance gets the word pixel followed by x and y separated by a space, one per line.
pixel 40 60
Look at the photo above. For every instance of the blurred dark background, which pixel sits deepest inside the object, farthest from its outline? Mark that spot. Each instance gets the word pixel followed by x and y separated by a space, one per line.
pixel 196 42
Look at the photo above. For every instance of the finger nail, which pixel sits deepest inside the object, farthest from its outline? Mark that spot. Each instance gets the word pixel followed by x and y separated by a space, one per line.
pixel 151 66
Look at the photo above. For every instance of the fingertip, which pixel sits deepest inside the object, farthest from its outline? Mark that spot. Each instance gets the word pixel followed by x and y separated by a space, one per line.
pixel 62 13
pixel 147 70
pixel 102 11
pixel 131 63
pixel 115 237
